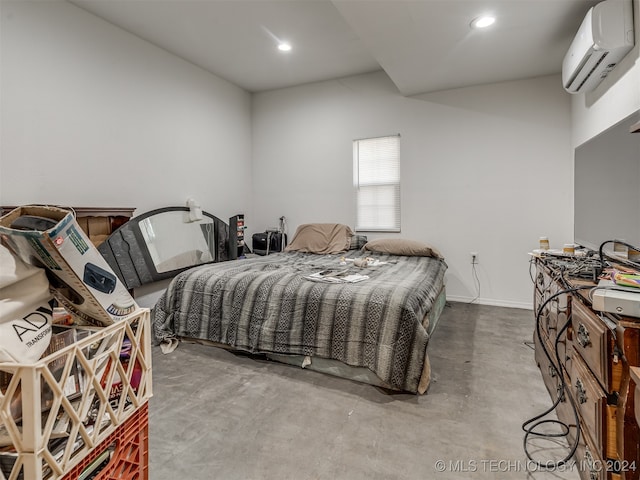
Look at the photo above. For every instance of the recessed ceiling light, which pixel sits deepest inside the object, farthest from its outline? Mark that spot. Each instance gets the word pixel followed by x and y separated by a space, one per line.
pixel 284 47
pixel 483 21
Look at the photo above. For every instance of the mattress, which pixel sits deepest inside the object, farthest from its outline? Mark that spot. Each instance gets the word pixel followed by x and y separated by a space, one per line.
pixel 269 305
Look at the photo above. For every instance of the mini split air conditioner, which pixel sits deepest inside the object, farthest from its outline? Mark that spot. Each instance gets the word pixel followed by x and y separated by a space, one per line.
pixel 604 38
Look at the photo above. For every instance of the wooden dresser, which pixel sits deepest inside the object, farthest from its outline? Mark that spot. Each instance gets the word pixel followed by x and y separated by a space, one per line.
pixel 597 351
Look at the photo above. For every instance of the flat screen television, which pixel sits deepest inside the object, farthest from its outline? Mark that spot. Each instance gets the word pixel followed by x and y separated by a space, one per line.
pixel 607 187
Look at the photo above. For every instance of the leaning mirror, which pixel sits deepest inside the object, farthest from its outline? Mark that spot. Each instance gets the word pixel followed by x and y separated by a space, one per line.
pixel 162 243
pixel 174 242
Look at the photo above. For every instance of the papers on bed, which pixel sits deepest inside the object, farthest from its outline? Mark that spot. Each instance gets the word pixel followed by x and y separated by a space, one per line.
pixel 336 275
pixel 342 273
pixel 363 262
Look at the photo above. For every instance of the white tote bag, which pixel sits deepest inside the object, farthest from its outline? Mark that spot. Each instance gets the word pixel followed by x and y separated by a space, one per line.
pixel 25 310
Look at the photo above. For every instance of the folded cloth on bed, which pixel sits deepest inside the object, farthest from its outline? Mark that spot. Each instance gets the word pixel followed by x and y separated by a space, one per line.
pixel 321 238
pixel 357 242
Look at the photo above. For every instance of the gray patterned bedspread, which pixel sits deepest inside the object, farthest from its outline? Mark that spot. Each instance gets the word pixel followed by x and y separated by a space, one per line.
pixel 266 305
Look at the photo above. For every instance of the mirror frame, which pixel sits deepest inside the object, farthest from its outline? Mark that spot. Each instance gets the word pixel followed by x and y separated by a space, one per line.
pixel 127 254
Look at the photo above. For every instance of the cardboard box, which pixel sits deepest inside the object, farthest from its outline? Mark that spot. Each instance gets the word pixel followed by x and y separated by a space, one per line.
pixel 97 229
pixel 81 278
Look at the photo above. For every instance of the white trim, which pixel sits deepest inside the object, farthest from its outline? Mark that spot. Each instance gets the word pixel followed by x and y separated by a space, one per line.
pixel 491 301
pixel 377 136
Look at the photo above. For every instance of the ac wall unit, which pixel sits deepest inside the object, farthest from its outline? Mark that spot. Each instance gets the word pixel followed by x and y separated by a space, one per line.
pixel 604 38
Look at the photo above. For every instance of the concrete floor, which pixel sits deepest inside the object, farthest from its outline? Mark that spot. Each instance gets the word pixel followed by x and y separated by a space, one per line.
pixel 215 415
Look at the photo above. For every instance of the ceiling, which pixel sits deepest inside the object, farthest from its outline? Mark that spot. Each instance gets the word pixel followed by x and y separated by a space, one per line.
pixel 422 45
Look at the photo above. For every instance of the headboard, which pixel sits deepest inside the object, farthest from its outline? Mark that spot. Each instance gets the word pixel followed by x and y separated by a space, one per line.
pixel 162 243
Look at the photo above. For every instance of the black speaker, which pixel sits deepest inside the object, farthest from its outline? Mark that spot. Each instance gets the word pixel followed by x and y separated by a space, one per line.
pixel 268 242
pixel 236 236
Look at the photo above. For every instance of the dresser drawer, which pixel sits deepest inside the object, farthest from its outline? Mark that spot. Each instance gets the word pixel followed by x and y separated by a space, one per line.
pixel 551 379
pixel 590 465
pixel 591 401
pixel 591 340
pixel 556 312
pixel 589 462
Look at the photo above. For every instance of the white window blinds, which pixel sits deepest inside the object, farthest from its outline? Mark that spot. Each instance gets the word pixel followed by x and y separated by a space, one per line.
pixel 376 176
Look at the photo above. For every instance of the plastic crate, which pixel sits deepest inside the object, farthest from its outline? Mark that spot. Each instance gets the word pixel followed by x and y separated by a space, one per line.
pixel 126 451
pixel 51 431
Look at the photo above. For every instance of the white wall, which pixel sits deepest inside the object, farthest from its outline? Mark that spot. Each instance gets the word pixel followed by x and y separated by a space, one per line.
pixel 486 169
pixel 94 116
pixel 614 99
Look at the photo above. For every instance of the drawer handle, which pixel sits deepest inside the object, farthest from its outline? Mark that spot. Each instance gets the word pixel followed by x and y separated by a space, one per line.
pixel 560 393
pixel 583 336
pixel 582 393
pixel 591 464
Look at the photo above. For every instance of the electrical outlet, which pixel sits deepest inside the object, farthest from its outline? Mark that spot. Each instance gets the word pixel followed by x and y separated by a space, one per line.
pixel 474 257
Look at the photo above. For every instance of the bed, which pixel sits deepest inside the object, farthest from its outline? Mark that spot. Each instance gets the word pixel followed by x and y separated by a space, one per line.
pixel 374 330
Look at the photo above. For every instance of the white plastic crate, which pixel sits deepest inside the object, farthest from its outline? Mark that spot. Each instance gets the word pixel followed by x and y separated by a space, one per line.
pixel 55 411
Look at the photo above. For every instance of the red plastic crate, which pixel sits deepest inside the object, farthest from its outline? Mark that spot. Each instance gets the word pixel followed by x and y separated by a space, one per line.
pixel 130 457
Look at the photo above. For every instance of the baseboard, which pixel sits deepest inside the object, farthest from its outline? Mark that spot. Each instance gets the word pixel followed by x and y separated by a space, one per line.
pixel 492 302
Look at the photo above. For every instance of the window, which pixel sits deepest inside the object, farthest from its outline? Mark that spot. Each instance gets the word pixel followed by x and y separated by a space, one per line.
pixel 376 177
